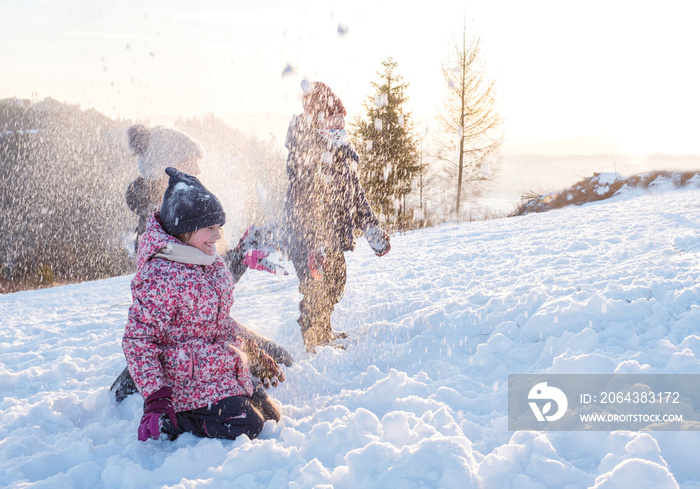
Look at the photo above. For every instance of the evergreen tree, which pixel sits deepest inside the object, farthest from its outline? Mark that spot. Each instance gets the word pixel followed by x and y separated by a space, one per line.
pixel 387 148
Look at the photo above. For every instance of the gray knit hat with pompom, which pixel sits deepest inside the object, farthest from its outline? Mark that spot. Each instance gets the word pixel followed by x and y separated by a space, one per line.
pixel 160 147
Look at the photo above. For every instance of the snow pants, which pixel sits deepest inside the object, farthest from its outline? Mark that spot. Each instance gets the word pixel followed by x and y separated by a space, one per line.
pixel 319 297
pixel 228 418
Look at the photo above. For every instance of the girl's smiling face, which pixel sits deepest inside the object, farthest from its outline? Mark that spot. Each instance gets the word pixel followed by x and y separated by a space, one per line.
pixel 205 239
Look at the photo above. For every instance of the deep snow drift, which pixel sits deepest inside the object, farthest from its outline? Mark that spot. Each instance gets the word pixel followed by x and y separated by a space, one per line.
pixel 419 398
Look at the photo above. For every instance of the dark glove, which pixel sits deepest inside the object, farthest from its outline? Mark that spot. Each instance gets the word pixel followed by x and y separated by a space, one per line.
pixel 315 260
pixel 265 367
pixel 155 405
pixel 378 240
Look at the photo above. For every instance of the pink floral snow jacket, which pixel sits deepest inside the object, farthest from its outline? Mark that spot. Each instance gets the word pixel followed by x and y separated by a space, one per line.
pixel 179 332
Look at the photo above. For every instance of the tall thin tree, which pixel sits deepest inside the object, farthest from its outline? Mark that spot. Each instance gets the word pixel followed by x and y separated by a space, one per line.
pixel 470 122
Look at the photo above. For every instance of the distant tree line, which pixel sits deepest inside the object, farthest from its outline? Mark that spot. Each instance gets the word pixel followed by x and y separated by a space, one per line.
pixel 62 177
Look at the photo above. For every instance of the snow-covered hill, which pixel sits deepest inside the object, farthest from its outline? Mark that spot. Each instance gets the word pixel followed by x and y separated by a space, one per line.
pixel 419 398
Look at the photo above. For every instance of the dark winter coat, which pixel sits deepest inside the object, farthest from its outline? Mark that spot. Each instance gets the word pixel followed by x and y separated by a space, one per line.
pixel 144 198
pixel 179 332
pixel 325 201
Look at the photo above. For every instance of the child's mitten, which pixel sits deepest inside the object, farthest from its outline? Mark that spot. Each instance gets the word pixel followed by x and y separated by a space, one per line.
pixel 155 405
pixel 265 367
pixel 378 240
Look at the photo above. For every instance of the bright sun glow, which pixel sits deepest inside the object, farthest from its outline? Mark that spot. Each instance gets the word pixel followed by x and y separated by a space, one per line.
pixel 594 77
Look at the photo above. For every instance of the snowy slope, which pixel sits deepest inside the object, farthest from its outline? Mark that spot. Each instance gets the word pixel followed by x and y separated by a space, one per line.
pixel 419 399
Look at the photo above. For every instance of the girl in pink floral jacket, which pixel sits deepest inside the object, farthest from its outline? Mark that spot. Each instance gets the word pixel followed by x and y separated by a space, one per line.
pixel 184 352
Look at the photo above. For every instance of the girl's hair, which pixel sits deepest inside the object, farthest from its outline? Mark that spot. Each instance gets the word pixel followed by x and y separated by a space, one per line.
pixel 185 237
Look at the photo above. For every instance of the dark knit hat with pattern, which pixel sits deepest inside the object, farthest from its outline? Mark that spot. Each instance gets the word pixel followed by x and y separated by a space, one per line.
pixel 188 205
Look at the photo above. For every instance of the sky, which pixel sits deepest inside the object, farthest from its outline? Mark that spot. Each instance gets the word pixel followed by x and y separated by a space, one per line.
pixel 572 78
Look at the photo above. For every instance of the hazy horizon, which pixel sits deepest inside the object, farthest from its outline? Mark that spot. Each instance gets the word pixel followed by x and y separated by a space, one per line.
pixel 519 172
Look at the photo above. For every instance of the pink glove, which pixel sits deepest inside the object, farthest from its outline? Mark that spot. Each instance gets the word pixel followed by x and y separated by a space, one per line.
pixel 253 259
pixel 154 406
pixel 256 245
pixel 315 261
pixel 257 260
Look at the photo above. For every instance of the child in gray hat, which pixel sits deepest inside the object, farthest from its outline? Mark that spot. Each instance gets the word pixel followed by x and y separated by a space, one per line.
pixel 157 149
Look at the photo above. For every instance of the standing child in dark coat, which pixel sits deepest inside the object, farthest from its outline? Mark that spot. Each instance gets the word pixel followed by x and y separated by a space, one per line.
pixel 183 350
pixel 325 206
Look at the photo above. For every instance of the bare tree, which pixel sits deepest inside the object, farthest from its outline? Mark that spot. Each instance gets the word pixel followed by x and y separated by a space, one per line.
pixel 470 122
pixel 425 182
